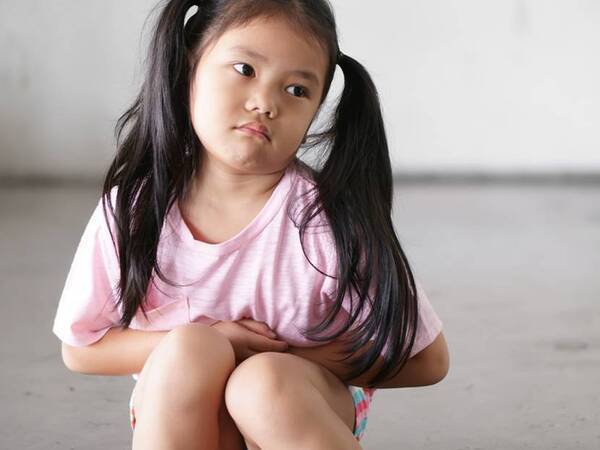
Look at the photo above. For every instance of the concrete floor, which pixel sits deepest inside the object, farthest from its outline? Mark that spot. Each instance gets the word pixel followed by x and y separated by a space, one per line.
pixel 512 270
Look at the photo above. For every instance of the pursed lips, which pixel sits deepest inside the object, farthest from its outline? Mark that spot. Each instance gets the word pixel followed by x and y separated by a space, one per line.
pixel 255 131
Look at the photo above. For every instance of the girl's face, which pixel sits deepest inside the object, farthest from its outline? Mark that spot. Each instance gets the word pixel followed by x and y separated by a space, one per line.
pixel 264 73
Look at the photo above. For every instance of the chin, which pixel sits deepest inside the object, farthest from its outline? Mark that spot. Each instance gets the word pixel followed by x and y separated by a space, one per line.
pixel 244 163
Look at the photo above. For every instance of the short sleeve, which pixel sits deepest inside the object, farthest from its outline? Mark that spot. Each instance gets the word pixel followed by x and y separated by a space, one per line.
pixel 429 324
pixel 86 309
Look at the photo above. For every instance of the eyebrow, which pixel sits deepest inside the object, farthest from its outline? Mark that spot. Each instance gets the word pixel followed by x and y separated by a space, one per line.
pixel 306 74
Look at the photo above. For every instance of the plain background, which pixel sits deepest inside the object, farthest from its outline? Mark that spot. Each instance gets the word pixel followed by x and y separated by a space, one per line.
pixel 465 86
pixel 492 112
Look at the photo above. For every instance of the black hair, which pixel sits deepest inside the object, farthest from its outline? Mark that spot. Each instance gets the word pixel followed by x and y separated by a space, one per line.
pixel 158 154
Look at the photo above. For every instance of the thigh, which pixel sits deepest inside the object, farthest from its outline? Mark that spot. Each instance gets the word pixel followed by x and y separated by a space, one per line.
pixel 230 437
pixel 136 399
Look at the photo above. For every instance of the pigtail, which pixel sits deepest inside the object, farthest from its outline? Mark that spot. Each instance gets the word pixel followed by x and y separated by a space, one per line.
pixel 155 154
pixel 355 189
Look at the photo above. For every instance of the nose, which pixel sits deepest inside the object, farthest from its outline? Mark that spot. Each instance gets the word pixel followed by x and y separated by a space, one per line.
pixel 263 102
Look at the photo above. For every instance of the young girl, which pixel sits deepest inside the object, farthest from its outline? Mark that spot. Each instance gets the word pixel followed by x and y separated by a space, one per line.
pixel 225 274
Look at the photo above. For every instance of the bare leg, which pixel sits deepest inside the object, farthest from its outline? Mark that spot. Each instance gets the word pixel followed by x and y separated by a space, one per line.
pixel 180 391
pixel 276 405
pixel 305 422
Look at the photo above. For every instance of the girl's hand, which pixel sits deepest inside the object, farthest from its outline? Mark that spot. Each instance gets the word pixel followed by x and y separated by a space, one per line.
pixel 258 327
pixel 249 337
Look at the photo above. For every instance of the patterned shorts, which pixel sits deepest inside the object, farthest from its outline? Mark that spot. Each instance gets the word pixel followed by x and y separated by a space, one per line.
pixel 361 397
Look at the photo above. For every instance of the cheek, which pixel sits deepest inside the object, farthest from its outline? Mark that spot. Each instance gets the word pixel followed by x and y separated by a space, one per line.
pixel 289 138
pixel 298 127
pixel 295 135
pixel 212 113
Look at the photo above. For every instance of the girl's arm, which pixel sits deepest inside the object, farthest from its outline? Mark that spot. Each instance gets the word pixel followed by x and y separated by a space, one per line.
pixel 125 351
pixel 427 367
pixel 119 352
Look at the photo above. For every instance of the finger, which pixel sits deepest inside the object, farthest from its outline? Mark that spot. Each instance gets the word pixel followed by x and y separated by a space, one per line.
pixel 263 344
pixel 257 327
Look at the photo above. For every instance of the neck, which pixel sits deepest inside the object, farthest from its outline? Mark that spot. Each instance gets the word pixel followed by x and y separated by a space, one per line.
pixel 223 189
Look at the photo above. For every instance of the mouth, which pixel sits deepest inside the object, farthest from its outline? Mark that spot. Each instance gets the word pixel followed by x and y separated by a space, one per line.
pixel 254 132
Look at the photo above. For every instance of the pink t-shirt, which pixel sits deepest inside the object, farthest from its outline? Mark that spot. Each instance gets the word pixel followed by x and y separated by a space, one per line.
pixel 261 273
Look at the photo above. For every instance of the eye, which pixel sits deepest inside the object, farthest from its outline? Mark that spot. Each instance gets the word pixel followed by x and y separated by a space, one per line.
pixel 245 65
pixel 303 90
pixel 248 72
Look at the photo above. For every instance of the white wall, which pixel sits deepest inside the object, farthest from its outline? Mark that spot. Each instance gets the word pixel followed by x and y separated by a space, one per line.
pixel 505 85
pixel 469 85
pixel 68 69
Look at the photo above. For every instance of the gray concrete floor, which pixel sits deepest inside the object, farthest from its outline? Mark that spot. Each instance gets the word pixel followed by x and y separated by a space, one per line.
pixel 512 270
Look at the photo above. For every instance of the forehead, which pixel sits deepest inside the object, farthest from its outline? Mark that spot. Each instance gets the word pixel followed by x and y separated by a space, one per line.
pixel 274 42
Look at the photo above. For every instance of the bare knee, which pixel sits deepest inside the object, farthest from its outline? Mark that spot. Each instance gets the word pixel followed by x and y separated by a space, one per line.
pixel 280 388
pixel 258 394
pixel 191 364
pixel 255 379
pixel 201 342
